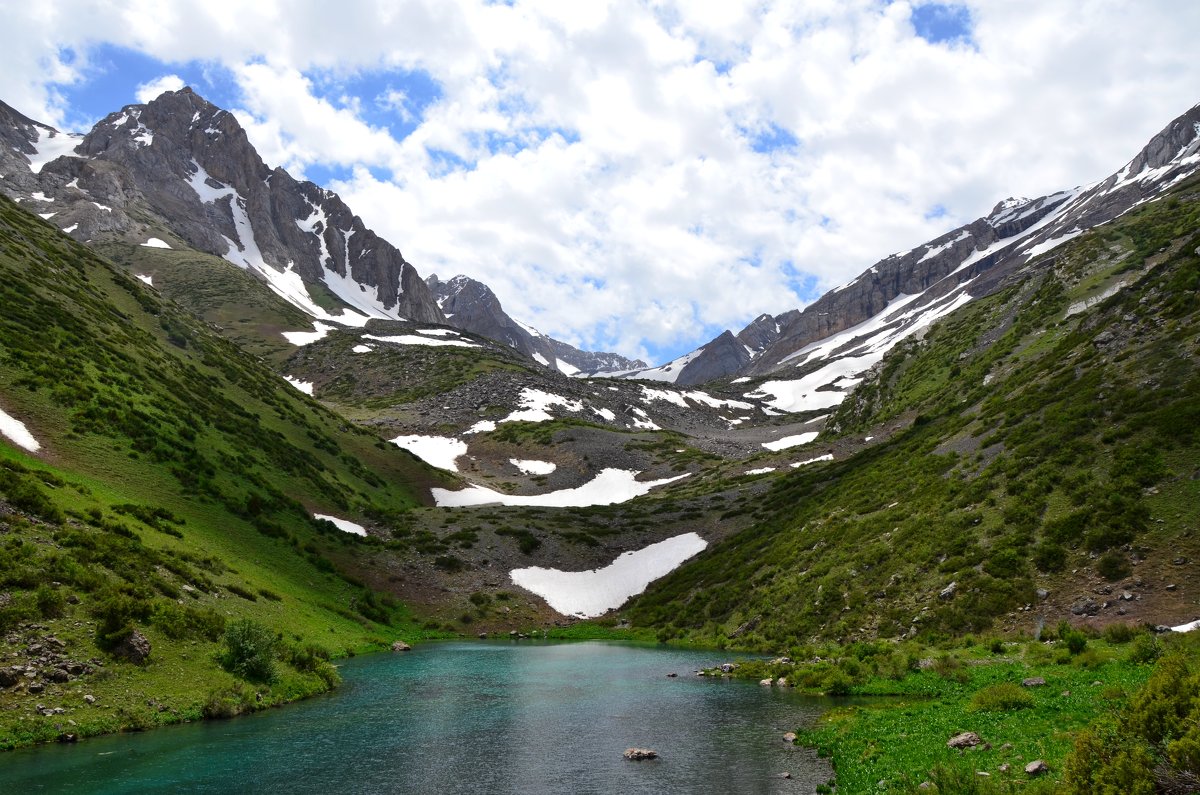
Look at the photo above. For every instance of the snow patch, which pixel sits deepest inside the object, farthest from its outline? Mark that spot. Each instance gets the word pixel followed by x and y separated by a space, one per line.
pixel 534 467
pixel 609 487
pixel 303 386
pixel 826 457
pixel 439 451
pixel 790 441
pixel 417 339
pixel 146 278
pixel 344 525
pixel 1188 627
pixel 592 593
pixel 69 229
pixel 155 242
pixel 483 426
pixel 17 433
pixel 308 337
pixel 49 145
pixel 361 349
pixel 759 471
pixel 535 406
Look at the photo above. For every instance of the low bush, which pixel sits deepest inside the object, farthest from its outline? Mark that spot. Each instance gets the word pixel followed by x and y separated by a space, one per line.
pixel 1002 697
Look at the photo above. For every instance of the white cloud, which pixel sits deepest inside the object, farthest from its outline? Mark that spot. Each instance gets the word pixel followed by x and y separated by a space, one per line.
pixel 151 89
pixel 650 219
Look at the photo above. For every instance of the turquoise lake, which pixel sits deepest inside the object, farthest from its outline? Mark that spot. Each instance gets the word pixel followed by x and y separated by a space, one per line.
pixel 470 717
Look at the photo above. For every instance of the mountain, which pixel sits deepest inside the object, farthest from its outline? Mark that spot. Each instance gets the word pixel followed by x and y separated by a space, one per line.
pixel 179 172
pixel 181 169
pixel 472 306
pixel 849 328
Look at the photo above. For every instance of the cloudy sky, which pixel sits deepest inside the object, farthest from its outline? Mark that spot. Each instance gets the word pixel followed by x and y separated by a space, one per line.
pixel 639 176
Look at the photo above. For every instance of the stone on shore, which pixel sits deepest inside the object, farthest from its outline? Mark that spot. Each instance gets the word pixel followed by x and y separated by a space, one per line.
pixel 401 646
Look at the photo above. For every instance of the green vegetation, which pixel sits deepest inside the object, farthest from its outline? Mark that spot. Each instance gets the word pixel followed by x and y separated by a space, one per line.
pixel 1040 444
pixel 172 499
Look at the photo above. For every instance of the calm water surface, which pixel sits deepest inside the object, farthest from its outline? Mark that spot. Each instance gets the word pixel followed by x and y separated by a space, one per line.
pixel 478 717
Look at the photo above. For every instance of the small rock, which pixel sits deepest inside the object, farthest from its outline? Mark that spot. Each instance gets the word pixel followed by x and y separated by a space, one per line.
pixel 1033 681
pixel 36 687
pixel 766 682
pixel 637 754
pixel 727 668
pixel 401 646
pixel 964 740
pixel 672 675
pixel 1006 747
pixel 781 682
pixel 982 773
pixel 1004 768
pixel 1036 768
pixel 925 785
pixel 1180 561
pixel 89 699
pixel 1172 587
pixel 1042 594
pixel 789 737
pixel 1065 693
pixel 949 591
pixel 784 774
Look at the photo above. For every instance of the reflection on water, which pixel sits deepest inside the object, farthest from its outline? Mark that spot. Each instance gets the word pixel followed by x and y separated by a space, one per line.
pixel 486 717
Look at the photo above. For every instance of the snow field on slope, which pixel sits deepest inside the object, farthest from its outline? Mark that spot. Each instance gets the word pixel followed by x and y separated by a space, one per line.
pixel 790 441
pixel 594 592
pixel 303 386
pixel 417 339
pixel 345 525
pixel 609 487
pixel 155 242
pixel 439 451
pixel 532 467
pixel 308 337
pixel 17 433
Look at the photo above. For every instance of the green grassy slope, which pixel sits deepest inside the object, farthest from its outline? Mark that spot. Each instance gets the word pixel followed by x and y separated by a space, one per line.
pixel 1044 451
pixel 173 493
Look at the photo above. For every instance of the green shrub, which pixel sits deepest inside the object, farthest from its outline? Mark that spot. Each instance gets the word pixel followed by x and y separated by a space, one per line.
pixel 1002 697
pixel 1113 565
pixel 837 683
pixel 1076 641
pixel 250 651
pixel 1144 649
pixel 1120 633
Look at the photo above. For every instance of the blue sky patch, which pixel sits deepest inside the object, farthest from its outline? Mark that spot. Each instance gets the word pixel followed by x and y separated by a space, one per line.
pixel 771 138
pixel 113 74
pixel 943 22
pixel 391 99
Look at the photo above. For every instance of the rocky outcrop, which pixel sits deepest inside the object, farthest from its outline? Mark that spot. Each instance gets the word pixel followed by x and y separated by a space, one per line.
pixel 135 648
pixel 472 306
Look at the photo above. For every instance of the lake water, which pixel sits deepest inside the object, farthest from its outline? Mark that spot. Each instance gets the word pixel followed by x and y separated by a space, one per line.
pixel 470 717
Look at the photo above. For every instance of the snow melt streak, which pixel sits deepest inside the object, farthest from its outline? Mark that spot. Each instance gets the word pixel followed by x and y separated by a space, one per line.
pixel 595 592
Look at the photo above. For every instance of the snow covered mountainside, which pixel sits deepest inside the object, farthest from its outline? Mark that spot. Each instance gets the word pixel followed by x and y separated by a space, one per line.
pixel 180 173
pixel 813 356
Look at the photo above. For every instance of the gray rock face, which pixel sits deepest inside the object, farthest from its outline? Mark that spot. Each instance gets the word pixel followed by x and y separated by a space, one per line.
pixel 472 306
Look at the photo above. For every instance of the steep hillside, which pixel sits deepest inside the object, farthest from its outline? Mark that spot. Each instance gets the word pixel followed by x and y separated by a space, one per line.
pixel 156 482
pixel 1048 467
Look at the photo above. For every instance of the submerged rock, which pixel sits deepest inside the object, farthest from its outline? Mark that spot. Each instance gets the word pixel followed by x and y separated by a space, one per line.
pixel 401 646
